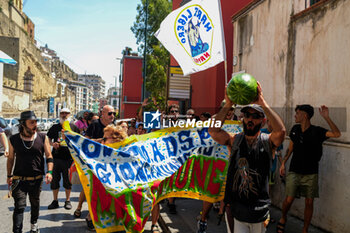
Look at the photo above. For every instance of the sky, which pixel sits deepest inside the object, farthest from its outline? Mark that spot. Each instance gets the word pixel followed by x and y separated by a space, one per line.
pixel 88 35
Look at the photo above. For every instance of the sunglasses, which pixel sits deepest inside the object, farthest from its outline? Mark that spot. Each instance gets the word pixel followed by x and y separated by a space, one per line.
pixel 174 111
pixel 111 113
pixel 254 115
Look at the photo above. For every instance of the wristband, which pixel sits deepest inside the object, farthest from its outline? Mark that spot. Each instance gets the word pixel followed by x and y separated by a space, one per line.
pixel 49 160
pixel 9 176
pixel 49 172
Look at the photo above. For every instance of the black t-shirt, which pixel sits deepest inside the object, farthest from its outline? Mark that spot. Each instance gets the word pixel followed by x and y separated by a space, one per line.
pixel 307 149
pixel 54 134
pixel 247 180
pixel 30 159
pixel 95 129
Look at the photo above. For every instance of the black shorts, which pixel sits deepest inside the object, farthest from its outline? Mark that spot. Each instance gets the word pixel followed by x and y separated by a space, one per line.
pixel 61 166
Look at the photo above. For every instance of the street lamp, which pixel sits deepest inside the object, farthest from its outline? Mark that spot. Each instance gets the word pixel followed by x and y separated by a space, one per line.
pixel 120 83
pixel 143 92
pixel 114 93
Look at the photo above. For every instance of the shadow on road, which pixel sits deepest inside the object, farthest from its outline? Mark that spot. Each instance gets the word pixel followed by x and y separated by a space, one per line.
pixel 67 226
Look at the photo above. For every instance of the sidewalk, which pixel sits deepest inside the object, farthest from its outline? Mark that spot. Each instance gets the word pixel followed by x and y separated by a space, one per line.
pixel 188 209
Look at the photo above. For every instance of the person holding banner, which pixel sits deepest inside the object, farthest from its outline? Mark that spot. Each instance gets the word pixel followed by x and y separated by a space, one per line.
pixel 62 160
pixel 246 190
pixel 95 132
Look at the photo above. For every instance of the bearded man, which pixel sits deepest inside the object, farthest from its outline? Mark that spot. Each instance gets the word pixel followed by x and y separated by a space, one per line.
pixel 62 160
pixel 28 147
pixel 251 153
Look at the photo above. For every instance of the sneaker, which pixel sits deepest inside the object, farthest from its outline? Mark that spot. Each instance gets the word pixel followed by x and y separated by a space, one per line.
pixel 34 228
pixel 53 205
pixel 172 208
pixel 67 205
pixel 90 224
pixel 202 226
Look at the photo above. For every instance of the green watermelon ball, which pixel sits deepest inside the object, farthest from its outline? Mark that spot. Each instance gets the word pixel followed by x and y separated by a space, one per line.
pixel 242 89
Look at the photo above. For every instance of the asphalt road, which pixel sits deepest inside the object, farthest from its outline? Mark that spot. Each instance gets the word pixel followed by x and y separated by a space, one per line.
pixel 57 220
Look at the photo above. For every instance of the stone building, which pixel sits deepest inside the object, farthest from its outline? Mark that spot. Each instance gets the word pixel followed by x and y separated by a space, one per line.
pixel 17 40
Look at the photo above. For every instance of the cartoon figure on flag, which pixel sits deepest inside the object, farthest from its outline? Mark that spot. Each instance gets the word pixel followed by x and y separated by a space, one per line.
pixel 193 34
pixel 194 37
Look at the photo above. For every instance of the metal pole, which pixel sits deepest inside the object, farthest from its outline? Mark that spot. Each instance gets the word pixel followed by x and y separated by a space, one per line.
pixel 115 96
pixel 120 83
pixel 143 93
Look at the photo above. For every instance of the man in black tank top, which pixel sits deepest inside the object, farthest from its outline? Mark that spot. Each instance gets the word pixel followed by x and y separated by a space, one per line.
pixel 251 152
pixel 28 148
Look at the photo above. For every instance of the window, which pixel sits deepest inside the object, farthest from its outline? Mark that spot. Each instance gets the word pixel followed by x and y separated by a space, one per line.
pixel 312 2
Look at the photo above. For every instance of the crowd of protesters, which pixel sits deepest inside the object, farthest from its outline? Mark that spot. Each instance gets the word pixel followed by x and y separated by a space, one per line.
pixel 254 153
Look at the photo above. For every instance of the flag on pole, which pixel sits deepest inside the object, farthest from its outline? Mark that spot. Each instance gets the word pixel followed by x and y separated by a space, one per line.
pixel 194 35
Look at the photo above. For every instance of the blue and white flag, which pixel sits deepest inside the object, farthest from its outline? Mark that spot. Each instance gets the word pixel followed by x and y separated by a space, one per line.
pixel 194 35
pixel 6 59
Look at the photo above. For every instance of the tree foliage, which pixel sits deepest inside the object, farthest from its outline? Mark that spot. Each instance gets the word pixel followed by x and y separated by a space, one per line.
pixel 157 57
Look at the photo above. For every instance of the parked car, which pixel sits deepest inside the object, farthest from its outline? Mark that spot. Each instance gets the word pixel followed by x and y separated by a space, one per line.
pixel 5 126
pixel 14 125
pixel 7 129
pixel 43 124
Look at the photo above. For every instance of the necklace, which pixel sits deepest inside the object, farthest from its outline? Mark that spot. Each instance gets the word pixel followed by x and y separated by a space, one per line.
pixel 28 148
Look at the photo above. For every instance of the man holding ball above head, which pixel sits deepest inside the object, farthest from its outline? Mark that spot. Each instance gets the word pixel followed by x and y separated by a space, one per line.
pixel 251 153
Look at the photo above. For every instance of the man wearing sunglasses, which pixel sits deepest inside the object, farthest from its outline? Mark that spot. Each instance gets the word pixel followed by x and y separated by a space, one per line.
pixel 95 129
pixel 251 154
pixel 173 112
pixel 95 132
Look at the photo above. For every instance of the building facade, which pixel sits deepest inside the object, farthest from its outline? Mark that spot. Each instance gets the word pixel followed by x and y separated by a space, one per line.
pixel 131 85
pixel 95 81
pixel 101 103
pixel 83 95
pixel 298 52
pixel 113 97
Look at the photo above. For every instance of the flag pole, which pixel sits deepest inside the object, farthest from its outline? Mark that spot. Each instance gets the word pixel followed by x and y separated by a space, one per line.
pixel 224 44
pixel 225 72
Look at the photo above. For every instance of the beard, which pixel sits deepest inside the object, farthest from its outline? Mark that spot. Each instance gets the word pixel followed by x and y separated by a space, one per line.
pixel 251 132
pixel 29 132
pixel 63 119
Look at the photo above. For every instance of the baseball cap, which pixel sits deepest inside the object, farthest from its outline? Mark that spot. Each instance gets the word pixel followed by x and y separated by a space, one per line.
pixel 65 110
pixel 253 106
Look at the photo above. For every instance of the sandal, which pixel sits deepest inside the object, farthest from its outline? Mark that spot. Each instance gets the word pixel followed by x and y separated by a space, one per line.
pixel 220 217
pixel 280 227
pixel 77 213
pixel 155 229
